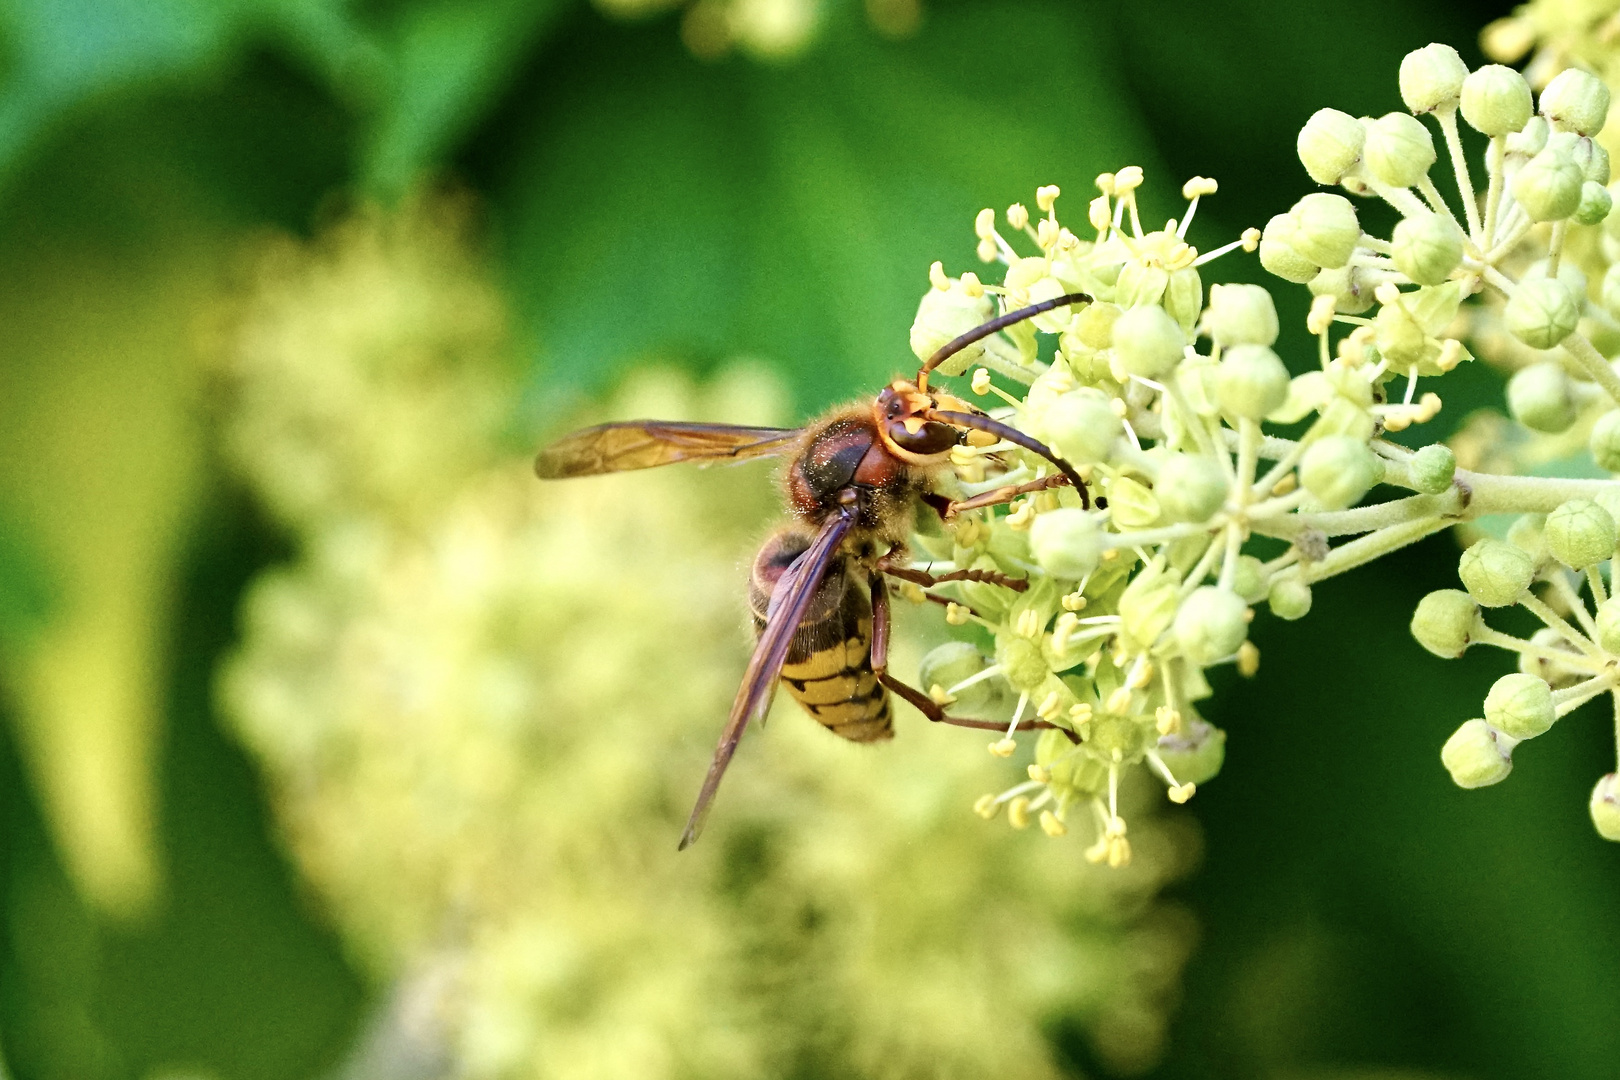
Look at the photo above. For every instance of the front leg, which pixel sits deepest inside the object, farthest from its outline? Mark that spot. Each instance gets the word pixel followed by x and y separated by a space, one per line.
pixel 1001 495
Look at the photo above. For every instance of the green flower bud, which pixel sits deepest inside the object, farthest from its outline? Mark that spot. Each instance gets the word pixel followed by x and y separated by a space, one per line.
pixel 1350 286
pixel 1427 247
pixel 1184 297
pixel 1095 326
pixel 1325 229
pixel 1250 381
pixel 1605 441
pixel 1541 398
pixel 1595 204
pixel 1399 150
pixel 1329 145
pixel 1066 542
pixel 1476 756
pixel 1520 705
pixel 1495 100
pixel 1148 342
pixel 1022 662
pixel 1527 535
pixel 1400 337
pixel 1148 605
pixel 1290 597
pixel 1580 533
pixel 955 662
pixel 1444 622
pixel 1249 579
pixel 1529 140
pixel 1196 753
pixel 1542 313
pixel 1211 624
pixel 1190 487
pixel 1131 505
pixel 1577 101
pixel 1081 426
pixel 1118 734
pixel 1338 470
pixel 1549 184
pixel 1595 169
pixel 1241 315
pixel 1605 807
pixel 1495 573
pixel 944 315
pixel 1433 468
pixel 1431 77
pixel 1556 672
pixel 1278 254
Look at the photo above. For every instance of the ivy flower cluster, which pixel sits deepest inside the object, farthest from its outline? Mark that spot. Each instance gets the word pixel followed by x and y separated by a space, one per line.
pixel 1168 397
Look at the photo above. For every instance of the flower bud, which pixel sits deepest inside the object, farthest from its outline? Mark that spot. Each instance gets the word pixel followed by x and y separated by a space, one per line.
pixel 1541 398
pixel 1095 326
pixel 1495 573
pixel 1605 807
pixel 1184 297
pixel 1399 150
pixel 1211 624
pixel 1190 487
pixel 1577 101
pixel 1529 140
pixel 1608 626
pixel 1595 168
pixel 1520 705
pixel 1605 441
pixel 1596 202
pixel 1325 229
pixel 1338 470
pixel 1527 535
pixel 1290 597
pixel 954 662
pixel 1444 622
pixel 1476 756
pixel 1278 254
pixel 1241 315
pixel 1081 427
pixel 1066 542
pixel 1350 286
pixel 1148 342
pixel 1549 184
pixel 1541 313
pixel 1557 673
pixel 1427 247
pixel 944 315
pixel 1495 100
pixel 1023 664
pixel 1433 468
pixel 1400 337
pixel 1431 77
pixel 1194 755
pixel 1579 533
pixel 1250 381
pixel 1249 579
pixel 1148 605
pixel 1329 145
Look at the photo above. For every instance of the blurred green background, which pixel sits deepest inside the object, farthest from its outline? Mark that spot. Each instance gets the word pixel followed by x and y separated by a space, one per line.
pixel 1361 916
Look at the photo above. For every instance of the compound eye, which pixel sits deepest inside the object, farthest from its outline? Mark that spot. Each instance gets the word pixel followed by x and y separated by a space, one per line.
pixel 931 438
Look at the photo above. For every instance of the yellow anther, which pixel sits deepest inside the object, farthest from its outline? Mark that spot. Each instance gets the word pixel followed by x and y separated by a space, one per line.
pixel 1119 702
pixel 976 437
pixel 1018 216
pixel 1182 792
pixel 1451 354
pixel 940 695
pixel 1023 516
pixel 1105 183
pixel 1003 747
pixel 1128 179
pixel 1399 420
pixel 1198 185
pixel 1251 239
pixel 1141 676
pixel 1029 623
pixel 1051 825
pixel 910 590
pixel 1066 241
pixel 987 251
pixel 1428 407
pixel 984 226
pixel 1119 852
pixel 1046 501
pixel 964 456
pixel 1100 214
pixel 1018 813
pixel 1067 623
pixel 986 806
pixel 1074 602
pixel 1039 773
pixel 1118 407
pixel 971 284
pixel 937 278
pixel 956 614
pixel 1081 713
pixel 981 383
pixel 1048 708
pixel 1387 293
pixel 1285 485
pixel 1046 233
pixel 1248 659
pixel 1321 316
pixel 1114 826
pixel 969 532
pixel 1046 195
pixel 1097 852
pixel 1167 720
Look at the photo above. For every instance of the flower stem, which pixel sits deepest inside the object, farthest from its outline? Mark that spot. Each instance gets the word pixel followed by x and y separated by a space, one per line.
pixel 1592 364
pixel 1372 546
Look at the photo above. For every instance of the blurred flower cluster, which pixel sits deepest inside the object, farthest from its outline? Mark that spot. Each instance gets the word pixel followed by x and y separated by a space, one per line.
pixel 1205 513
pixel 769 30
pixel 483 706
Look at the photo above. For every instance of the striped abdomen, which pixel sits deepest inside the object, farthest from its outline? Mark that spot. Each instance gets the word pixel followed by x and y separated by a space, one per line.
pixel 829 667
